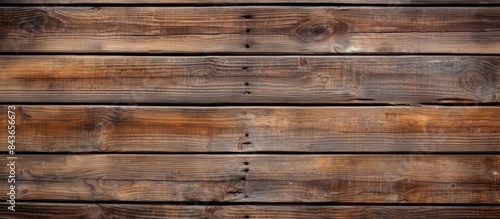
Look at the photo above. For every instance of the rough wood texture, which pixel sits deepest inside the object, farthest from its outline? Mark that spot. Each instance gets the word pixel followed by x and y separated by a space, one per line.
pixel 247 129
pixel 250 79
pixel 259 178
pixel 248 160
pixel 256 29
pixel 104 211
pixel 233 2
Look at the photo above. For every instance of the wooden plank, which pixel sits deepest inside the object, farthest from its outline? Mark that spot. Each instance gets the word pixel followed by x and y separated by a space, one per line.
pixel 68 211
pixel 250 129
pixel 258 178
pixel 255 29
pixel 250 79
pixel 233 2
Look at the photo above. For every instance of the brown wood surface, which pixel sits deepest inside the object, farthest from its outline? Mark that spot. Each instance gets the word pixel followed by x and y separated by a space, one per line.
pixel 102 211
pixel 265 108
pixel 248 129
pixel 233 2
pixel 258 178
pixel 255 29
pixel 250 79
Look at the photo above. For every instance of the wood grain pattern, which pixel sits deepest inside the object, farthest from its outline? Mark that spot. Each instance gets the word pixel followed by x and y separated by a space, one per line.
pixel 102 211
pixel 275 160
pixel 248 129
pixel 259 178
pixel 256 29
pixel 233 2
pixel 250 79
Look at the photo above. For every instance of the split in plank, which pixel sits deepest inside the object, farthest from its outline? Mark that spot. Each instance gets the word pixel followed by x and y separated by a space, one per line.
pixel 256 29
pixel 258 178
pixel 250 79
pixel 250 129
pixel 91 211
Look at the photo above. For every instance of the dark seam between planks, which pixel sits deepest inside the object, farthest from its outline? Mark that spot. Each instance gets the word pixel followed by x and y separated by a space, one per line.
pixel 260 203
pixel 231 4
pixel 284 153
pixel 345 104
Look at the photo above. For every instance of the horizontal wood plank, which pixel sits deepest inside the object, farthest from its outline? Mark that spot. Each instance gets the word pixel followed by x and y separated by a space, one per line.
pixel 258 178
pixel 101 211
pixel 234 2
pixel 255 29
pixel 250 79
pixel 251 129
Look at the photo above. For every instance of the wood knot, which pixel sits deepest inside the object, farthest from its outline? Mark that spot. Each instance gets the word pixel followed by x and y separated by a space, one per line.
pixel 303 62
pixel 480 82
pixel 94 211
pixel 117 115
pixel 34 25
pixel 42 23
pixel 204 74
pixel 319 30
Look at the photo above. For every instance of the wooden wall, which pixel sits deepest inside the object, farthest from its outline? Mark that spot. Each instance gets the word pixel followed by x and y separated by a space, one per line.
pixel 251 109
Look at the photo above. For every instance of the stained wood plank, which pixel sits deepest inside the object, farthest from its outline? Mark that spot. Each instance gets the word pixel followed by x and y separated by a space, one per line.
pixel 256 29
pixel 320 190
pixel 250 79
pixel 259 178
pixel 68 211
pixel 233 2
pixel 249 129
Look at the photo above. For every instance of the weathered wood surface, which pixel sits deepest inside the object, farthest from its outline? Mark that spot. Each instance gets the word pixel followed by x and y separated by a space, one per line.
pixel 233 2
pixel 197 162
pixel 102 211
pixel 248 129
pixel 255 29
pixel 258 178
pixel 250 79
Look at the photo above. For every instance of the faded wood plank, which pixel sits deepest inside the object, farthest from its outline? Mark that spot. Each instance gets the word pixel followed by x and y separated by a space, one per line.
pixel 250 79
pixel 233 2
pixel 249 129
pixel 256 29
pixel 68 211
pixel 259 178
